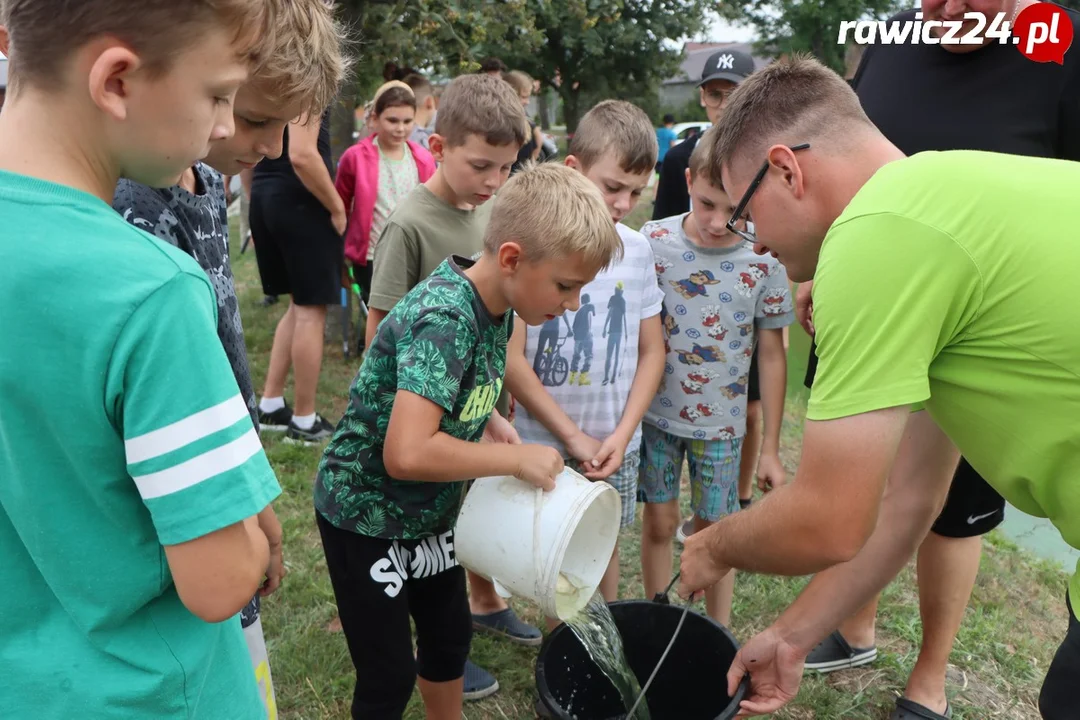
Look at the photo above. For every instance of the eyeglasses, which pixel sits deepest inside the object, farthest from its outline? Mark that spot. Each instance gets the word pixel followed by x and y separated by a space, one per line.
pixel 736 217
pixel 715 98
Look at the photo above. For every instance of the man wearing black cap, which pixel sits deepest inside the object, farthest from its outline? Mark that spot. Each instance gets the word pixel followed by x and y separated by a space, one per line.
pixel 722 72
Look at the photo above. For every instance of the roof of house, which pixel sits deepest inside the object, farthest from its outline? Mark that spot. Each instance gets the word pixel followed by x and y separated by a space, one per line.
pixel 695 54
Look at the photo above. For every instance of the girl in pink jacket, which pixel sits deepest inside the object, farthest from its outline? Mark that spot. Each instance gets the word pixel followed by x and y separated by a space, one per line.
pixel 375 174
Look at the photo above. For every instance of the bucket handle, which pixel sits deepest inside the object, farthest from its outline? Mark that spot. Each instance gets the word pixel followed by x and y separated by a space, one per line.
pixel 538 507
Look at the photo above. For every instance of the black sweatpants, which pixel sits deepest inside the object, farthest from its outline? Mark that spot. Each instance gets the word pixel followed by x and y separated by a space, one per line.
pixel 378 585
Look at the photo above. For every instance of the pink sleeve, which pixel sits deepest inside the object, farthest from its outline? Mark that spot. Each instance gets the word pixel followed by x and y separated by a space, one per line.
pixel 346 178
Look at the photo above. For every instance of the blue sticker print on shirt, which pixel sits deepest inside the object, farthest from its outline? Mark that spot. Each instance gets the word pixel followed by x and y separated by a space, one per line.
pixel 727 266
pixel 689 256
pixel 662 423
pixel 699 434
pixel 732 371
pixel 669 368
pixel 692 333
pixel 735 411
pixel 665 402
pixel 735 344
pixel 680 309
pixel 725 297
pixel 740 316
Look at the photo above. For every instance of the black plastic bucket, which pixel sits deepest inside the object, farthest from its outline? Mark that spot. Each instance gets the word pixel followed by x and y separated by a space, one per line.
pixel 691 684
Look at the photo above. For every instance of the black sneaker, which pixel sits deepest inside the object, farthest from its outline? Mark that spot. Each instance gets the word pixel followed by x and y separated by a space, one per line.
pixel 277 421
pixel 320 431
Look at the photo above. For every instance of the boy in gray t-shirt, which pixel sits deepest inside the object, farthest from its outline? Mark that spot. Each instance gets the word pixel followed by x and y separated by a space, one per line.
pixel 720 299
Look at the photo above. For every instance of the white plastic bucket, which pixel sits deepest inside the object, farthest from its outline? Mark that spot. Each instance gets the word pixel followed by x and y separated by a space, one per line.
pixel 523 539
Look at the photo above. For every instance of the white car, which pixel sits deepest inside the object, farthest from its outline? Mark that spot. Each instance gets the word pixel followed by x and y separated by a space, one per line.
pixel 686 129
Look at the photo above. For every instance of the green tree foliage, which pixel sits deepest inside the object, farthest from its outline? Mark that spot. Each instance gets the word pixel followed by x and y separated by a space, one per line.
pixel 435 36
pixel 787 26
pixel 594 49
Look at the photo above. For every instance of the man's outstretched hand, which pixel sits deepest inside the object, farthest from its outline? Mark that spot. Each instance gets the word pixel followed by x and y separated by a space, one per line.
pixel 775 668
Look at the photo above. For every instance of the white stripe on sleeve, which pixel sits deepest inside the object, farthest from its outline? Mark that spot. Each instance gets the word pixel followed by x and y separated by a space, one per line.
pixel 184 432
pixel 199 468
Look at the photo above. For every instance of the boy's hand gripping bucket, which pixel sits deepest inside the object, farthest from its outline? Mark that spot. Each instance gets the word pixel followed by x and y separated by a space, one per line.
pixel 545 546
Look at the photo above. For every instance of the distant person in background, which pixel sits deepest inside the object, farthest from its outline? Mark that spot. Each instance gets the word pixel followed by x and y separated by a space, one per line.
pixel 427 106
pixel 665 139
pixel 523 86
pixel 298 220
pixel 493 66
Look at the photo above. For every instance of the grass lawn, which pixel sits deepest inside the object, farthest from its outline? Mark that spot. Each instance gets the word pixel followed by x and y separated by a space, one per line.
pixel 1013 625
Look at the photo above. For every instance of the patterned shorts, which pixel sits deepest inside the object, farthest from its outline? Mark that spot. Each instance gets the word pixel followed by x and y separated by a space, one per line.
pixel 713 465
pixel 625 480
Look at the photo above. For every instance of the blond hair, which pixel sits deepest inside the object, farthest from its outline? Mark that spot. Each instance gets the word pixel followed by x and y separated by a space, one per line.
pixel 521 82
pixel 618 126
pixel 792 100
pixel 553 212
pixel 481 105
pixel 44 34
pixel 701 161
pixel 307 62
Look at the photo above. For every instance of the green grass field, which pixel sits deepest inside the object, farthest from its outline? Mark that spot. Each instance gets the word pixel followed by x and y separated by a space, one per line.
pixel 1013 625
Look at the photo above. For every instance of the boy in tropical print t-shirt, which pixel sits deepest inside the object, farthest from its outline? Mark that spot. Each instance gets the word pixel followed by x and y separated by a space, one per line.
pixel 393 477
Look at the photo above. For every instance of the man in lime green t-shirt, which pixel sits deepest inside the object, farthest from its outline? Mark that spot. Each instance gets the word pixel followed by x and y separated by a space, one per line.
pixel 946 306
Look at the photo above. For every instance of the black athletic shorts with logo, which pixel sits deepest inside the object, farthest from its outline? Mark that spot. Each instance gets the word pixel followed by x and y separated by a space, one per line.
pixel 379 584
pixel 972 508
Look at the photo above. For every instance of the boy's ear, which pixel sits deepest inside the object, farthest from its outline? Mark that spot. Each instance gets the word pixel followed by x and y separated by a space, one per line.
pixel 572 162
pixel 429 102
pixel 437 146
pixel 114 74
pixel 510 256
pixel 689 182
pixel 5 39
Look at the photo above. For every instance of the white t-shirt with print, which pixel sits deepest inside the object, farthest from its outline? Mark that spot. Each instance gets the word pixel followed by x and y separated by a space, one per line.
pixel 598 344
pixel 715 299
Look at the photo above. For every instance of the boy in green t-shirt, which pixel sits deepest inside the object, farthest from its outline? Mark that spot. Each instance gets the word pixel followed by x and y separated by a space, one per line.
pixel 478 132
pixel 392 479
pixel 132 474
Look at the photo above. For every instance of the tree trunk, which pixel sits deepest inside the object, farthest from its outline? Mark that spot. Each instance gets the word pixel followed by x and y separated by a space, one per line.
pixel 542 104
pixel 571 106
pixel 342 122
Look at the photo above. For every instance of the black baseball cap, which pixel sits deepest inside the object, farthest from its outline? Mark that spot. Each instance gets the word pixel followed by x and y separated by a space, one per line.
pixel 733 65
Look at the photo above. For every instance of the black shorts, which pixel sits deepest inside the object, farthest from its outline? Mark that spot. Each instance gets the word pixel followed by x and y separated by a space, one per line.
pixel 298 251
pixel 1060 696
pixel 379 584
pixel 972 508
pixel 753 385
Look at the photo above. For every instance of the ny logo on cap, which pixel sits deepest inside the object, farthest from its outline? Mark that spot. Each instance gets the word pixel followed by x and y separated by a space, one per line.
pixel 725 62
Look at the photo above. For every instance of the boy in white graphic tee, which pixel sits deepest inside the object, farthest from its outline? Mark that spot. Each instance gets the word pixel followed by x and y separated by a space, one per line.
pixel 720 298
pixel 583 381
